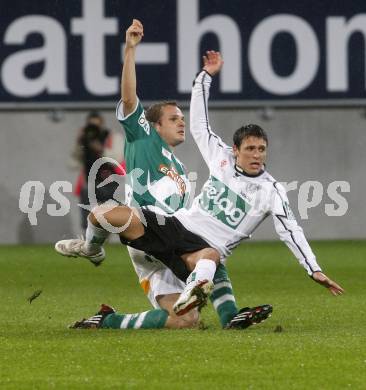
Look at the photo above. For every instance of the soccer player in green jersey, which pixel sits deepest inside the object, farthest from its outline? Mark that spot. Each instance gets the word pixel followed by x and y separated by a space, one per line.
pixel 158 182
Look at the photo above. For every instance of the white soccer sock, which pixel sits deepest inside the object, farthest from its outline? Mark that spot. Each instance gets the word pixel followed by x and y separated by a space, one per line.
pixel 205 270
pixel 94 238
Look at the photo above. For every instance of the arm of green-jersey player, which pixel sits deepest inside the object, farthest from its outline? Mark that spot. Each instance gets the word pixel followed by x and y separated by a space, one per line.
pixel 134 35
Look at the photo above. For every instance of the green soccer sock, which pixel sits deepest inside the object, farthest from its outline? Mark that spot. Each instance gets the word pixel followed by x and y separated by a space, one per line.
pixel 222 296
pixel 152 319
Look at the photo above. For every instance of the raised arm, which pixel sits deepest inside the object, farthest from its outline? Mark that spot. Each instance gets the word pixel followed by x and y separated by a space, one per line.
pixel 209 144
pixel 212 62
pixel 134 35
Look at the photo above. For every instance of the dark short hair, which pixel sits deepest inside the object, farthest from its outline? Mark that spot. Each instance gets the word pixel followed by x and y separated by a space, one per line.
pixel 94 114
pixel 153 113
pixel 248 131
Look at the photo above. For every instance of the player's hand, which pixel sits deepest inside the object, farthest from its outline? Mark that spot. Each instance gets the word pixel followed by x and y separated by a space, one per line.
pixel 212 62
pixel 332 286
pixel 134 34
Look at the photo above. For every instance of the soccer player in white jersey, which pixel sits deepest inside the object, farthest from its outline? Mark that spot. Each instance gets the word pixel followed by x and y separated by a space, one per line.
pixel 239 193
pixel 237 197
pixel 151 137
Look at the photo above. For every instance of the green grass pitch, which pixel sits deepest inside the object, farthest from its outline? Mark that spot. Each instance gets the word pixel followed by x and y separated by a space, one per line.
pixel 322 345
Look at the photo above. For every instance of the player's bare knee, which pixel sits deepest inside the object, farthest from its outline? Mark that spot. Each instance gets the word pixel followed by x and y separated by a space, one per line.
pixel 96 213
pixel 93 215
pixel 121 217
pixel 191 259
pixel 188 320
pixel 211 254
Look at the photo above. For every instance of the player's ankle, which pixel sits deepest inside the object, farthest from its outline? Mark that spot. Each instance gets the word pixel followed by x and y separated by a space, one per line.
pixel 91 249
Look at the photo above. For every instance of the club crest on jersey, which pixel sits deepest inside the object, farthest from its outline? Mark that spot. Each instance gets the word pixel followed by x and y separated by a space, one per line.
pixel 144 123
pixel 223 163
pixel 249 191
pixel 252 188
pixel 222 203
pixel 174 175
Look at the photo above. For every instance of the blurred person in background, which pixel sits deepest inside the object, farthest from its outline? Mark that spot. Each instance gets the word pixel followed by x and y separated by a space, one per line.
pixel 95 141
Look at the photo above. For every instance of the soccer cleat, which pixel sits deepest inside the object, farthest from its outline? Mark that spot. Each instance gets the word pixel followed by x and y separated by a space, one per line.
pixel 250 316
pixel 74 248
pixel 194 295
pixel 95 321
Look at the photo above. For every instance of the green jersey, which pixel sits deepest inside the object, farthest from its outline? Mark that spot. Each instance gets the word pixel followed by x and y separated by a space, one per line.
pixel 156 177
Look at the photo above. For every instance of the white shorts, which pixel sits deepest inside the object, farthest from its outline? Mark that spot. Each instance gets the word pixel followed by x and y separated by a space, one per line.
pixel 155 278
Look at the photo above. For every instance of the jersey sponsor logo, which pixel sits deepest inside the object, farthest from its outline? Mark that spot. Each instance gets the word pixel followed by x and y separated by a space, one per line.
pixel 144 123
pixel 174 175
pixel 222 203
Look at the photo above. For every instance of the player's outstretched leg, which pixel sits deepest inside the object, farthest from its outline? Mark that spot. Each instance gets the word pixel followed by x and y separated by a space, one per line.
pixel 77 248
pixel 107 318
pixel 95 321
pixel 194 295
pixel 92 247
pixel 250 316
pixel 199 283
pixel 222 297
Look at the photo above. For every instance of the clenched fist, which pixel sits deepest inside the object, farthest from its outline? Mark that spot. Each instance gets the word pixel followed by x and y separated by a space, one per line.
pixel 134 34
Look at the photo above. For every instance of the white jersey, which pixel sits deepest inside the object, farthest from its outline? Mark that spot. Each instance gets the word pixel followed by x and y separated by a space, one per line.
pixel 232 204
